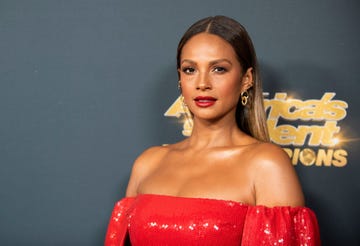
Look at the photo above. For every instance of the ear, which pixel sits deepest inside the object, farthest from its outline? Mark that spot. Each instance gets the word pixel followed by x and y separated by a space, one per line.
pixel 247 80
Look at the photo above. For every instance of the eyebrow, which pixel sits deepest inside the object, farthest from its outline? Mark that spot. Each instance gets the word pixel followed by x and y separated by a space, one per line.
pixel 211 63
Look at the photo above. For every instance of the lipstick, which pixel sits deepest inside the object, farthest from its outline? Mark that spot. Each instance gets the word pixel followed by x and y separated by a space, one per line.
pixel 204 101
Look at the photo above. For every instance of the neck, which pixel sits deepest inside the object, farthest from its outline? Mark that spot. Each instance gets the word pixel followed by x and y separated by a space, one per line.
pixel 207 134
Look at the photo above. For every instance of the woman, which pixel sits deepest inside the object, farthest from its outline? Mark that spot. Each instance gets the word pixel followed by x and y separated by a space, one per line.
pixel 225 184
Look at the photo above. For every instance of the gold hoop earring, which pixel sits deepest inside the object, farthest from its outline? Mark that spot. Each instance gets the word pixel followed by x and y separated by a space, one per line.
pixel 244 98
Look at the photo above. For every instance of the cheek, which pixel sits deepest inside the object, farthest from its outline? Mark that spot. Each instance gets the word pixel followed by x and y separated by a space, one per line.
pixel 185 91
pixel 232 90
pixel 186 84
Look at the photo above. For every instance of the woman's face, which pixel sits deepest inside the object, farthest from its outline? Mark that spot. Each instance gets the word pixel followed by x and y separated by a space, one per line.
pixel 211 77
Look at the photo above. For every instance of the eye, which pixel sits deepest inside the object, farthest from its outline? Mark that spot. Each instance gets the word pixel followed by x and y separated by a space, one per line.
pixel 220 69
pixel 188 70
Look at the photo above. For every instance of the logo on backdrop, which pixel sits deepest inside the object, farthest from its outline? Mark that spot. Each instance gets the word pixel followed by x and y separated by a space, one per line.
pixel 308 130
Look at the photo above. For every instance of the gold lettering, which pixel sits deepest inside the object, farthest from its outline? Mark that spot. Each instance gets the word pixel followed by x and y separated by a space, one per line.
pixel 316 110
pixel 307 157
pixel 309 110
pixel 275 105
pixel 332 110
pixel 295 158
pixel 283 134
pixel 330 128
pixel 291 109
pixel 288 134
pixel 340 159
pixel 315 133
pixel 324 158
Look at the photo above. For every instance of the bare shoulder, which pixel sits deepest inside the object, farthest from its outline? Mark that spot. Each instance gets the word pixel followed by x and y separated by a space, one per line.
pixel 143 165
pixel 150 156
pixel 271 154
pixel 275 180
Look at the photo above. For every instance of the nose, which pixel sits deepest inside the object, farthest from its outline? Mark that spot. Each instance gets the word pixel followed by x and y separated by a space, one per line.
pixel 203 83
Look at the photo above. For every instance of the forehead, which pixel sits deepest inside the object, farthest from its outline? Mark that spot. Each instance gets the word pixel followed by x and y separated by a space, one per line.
pixel 207 46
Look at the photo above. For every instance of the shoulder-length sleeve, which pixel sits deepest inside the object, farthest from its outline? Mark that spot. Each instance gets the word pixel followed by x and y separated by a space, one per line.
pixel 290 226
pixel 118 225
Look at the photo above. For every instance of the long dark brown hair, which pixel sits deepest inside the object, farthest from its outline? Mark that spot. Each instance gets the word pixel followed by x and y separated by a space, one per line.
pixel 251 118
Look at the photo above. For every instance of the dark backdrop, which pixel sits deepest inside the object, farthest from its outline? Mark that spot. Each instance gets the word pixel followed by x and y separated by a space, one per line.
pixel 84 86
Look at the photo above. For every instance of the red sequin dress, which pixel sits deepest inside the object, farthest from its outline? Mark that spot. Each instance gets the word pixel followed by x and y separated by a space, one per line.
pixel 150 219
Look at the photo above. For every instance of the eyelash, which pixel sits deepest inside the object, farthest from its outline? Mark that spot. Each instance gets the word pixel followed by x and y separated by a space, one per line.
pixel 191 70
pixel 188 70
pixel 222 69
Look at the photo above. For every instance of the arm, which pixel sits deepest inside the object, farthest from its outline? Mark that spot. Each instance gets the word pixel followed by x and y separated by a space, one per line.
pixel 279 216
pixel 275 179
pixel 117 230
pixel 287 226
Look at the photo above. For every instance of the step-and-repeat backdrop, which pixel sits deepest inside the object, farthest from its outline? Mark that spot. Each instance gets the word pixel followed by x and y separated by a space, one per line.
pixel 86 86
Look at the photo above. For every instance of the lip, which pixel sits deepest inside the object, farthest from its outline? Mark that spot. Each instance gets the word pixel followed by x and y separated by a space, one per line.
pixel 204 101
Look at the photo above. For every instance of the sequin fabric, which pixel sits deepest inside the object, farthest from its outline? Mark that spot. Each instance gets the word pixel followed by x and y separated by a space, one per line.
pixel 168 220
